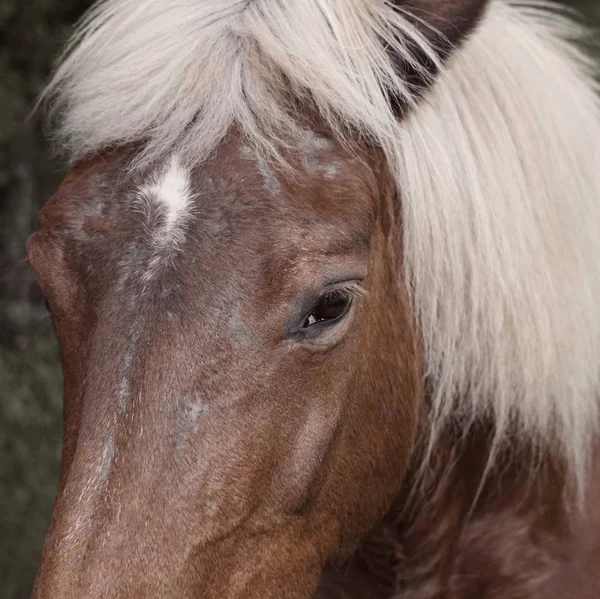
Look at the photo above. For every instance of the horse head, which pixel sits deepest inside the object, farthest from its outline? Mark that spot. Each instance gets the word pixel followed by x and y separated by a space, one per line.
pixel 289 246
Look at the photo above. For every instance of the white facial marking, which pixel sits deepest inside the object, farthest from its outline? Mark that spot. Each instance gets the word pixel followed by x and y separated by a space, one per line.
pixel 170 194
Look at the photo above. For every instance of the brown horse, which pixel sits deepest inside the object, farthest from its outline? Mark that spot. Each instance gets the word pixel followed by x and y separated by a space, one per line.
pixel 325 280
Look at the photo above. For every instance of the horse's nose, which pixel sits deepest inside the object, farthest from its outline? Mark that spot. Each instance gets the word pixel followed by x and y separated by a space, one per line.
pixel 84 558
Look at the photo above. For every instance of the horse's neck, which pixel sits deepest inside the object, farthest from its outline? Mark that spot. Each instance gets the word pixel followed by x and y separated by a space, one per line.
pixel 515 534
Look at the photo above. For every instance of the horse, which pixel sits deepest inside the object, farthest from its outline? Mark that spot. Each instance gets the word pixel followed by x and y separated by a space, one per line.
pixel 325 279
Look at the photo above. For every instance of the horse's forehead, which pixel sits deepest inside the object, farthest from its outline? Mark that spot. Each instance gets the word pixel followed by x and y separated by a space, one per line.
pixel 235 209
pixel 237 188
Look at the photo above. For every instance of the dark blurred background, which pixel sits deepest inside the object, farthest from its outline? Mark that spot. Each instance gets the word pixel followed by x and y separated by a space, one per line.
pixel 32 33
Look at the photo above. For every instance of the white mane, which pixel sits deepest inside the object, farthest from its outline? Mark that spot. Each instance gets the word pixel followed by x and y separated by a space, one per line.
pixel 498 169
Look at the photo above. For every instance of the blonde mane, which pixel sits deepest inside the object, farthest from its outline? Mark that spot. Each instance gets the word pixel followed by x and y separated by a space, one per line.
pixel 498 168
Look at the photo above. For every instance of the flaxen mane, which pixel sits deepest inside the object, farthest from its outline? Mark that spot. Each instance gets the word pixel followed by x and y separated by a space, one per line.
pixel 498 168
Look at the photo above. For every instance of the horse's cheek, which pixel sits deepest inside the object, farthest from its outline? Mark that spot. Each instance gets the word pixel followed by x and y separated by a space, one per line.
pixel 368 462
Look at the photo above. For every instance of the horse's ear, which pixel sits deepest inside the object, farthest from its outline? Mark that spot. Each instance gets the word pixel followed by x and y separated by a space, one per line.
pixel 445 24
pixel 448 19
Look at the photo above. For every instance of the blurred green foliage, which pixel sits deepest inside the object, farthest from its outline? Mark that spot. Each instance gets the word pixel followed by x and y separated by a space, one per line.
pixel 31 37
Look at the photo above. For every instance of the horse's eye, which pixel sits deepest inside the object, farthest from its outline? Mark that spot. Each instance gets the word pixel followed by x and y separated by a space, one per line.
pixel 332 306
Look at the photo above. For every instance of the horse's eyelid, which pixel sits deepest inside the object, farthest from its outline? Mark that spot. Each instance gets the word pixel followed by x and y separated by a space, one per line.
pixel 351 289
